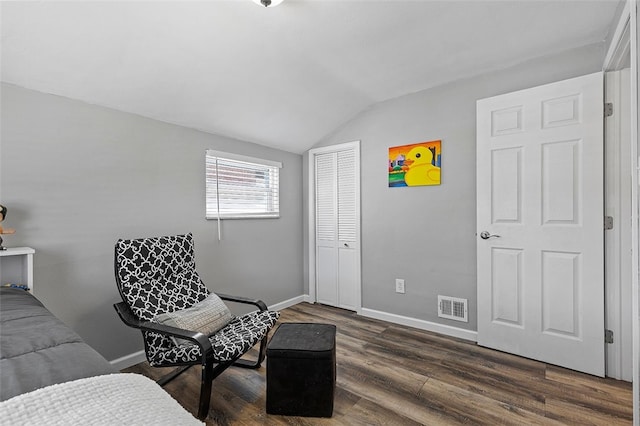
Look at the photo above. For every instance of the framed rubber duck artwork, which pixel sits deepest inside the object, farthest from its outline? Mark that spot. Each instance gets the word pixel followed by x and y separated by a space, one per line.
pixel 417 164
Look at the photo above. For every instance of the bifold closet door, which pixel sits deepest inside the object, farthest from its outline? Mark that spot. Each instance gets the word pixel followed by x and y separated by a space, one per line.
pixel 337 229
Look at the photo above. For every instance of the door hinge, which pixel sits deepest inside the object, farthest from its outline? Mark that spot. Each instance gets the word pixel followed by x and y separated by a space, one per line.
pixel 608 109
pixel 608 223
pixel 608 336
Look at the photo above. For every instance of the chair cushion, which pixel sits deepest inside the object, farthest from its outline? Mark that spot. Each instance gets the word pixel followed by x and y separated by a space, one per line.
pixel 207 317
pixel 236 338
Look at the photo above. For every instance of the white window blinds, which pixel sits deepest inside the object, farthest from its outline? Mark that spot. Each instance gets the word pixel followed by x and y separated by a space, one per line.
pixel 241 187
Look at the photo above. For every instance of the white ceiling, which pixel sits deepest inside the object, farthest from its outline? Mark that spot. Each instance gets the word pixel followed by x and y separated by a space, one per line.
pixel 283 77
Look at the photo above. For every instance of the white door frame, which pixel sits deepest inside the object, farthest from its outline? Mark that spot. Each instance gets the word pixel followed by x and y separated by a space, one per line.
pixel 617 201
pixel 635 95
pixel 355 145
pixel 618 283
pixel 629 16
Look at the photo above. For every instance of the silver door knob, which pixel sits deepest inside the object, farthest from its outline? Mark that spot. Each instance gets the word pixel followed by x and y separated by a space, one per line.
pixel 346 245
pixel 485 235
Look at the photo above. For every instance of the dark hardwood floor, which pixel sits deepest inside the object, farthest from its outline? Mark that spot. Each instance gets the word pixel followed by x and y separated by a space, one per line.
pixel 393 375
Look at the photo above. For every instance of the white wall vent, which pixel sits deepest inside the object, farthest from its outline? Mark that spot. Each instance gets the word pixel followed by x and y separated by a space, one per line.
pixel 452 308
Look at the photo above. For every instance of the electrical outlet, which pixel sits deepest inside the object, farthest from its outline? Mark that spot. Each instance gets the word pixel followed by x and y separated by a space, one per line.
pixel 399 285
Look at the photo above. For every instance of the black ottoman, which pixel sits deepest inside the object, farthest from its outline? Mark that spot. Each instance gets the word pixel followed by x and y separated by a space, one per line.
pixel 301 370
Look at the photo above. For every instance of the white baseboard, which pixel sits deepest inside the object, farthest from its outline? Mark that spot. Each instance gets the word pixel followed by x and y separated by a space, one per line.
pixel 129 360
pixel 447 330
pixel 444 329
pixel 288 303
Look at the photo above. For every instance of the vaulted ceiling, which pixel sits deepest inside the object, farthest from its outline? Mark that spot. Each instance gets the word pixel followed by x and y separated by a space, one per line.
pixel 283 77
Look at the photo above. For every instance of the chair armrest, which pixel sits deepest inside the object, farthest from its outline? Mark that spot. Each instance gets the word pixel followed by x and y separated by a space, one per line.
pixel 239 299
pixel 130 319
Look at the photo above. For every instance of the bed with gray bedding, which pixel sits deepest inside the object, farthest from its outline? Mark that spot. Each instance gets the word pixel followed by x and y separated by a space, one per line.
pixel 48 375
pixel 37 349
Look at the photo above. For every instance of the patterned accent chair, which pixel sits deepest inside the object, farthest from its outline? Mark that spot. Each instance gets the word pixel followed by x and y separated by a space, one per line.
pixel 157 276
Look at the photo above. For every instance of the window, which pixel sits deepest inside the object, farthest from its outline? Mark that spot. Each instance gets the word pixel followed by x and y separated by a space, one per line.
pixel 241 187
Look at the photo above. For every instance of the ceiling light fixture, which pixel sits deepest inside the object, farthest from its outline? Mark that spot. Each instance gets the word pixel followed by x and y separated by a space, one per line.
pixel 268 3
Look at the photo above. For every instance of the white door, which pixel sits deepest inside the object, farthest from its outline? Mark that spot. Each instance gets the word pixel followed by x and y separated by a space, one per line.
pixel 337 226
pixel 540 206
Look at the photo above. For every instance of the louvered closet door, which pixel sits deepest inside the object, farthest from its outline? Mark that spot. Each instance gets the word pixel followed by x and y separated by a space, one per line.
pixel 326 229
pixel 337 229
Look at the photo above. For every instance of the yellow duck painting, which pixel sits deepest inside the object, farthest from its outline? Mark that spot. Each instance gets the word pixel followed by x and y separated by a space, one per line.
pixel 421 171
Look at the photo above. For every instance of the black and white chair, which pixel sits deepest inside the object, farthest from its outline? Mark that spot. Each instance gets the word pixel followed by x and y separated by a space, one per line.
pixel 182 322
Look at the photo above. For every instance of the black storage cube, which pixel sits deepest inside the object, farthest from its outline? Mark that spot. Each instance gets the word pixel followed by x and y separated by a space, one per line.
pixel 301 370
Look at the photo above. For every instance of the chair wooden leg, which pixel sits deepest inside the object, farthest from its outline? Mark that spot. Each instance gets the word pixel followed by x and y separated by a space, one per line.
pixel 205 390
pixel 263 349
pixel 170 376
pixel 254 364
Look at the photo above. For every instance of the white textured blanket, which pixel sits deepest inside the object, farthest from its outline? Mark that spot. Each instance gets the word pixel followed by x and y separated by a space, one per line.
pixel 114 399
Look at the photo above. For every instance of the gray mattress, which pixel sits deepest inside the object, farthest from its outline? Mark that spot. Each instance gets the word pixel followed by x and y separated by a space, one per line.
pixel 37 349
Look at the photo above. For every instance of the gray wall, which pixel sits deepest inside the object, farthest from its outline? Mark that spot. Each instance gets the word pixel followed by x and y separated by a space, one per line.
pixel 77 177
pixel 426 235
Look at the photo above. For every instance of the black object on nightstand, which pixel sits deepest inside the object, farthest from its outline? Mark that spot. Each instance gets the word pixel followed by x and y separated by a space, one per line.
pixel 301 370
